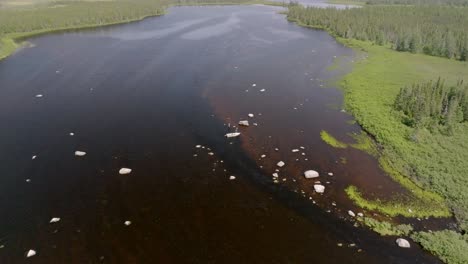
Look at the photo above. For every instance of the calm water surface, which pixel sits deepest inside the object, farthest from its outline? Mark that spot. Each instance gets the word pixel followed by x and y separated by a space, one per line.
pixel 143 96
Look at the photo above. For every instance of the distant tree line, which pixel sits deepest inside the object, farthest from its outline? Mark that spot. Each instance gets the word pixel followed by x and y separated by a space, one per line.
pixel 433 30
pixel 433 105
pixel 68 14
pixel 71 14
pixel 415 2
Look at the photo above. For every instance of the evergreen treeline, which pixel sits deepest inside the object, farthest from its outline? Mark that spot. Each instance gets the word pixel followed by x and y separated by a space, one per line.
pixel 415 2
pixel 433 105
pixel 433 30
pixel 69 14
pixel 73 14
pixel 418 2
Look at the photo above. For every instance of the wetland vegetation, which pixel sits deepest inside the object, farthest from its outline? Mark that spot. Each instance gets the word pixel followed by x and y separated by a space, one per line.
pixel 394 93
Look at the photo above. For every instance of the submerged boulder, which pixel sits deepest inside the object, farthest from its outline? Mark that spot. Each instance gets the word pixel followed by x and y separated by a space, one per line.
pixel 30 253
pixel 244 123
pixel 123 171
pixel 319 188
pixel 80 153
pixel 280 164
pixel 54 220
pixel 403 243
pixel 231 135
pixel 310 174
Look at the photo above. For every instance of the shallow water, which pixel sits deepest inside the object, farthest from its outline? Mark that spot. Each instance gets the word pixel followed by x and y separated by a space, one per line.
pixel 142 96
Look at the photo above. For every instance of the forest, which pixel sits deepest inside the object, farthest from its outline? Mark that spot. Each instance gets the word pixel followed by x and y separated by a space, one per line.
pixel 432 30
pixel 415 2
pixel 69 14
pixel 433 105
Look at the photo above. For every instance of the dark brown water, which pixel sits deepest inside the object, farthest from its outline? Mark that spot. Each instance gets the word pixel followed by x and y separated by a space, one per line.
pixel 142 96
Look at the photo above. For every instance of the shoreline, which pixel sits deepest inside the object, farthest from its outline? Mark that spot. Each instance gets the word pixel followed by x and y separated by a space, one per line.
pixel 385 154
pixel 391 162
pixel 369 93
pixel 12 42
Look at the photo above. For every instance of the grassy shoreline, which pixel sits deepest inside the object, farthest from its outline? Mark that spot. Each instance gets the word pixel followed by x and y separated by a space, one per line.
pixel 13 42
pixel 431 166
pixel 389 70
pixel 345 2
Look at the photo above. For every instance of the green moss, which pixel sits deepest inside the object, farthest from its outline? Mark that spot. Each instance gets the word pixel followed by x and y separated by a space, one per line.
pixel 448 245
pixel 335 65
pixel 404 206
pixel 365 143
pixel 386 228
pixel 7 47
pixel 330 140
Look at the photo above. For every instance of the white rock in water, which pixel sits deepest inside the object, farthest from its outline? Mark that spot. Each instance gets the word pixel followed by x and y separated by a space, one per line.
pixel 31 253
pixel 125 171
pixel 330 174
pixel 232 178
pixel 34 157
pixel 262 90
pixel 275 175
pixel 295 150
pixel 244 123
pixel 253 85
pixel 360 214
pixel 310 174
pixel 231 135
pixel 198 146
pixel 280 164
pixel 38 95
pixel 127 223
pixel 319 188
pixel 351 213
pixel 80 153
pixel 54 220
pixel 263 156
pixel 251 115
pixel 403 243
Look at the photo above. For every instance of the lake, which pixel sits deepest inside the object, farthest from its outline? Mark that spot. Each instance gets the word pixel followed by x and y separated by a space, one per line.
pixel 158 96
